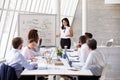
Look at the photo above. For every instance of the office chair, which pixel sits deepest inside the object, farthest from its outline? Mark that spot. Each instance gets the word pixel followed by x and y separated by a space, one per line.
pixel 109 43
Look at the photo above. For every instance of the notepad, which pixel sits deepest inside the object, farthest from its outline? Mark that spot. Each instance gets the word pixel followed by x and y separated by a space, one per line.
pixel 58 63
pixel 74 69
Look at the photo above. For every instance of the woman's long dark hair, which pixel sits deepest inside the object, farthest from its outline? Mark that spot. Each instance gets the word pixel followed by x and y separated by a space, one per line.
pixel 66 20
pixel 33 34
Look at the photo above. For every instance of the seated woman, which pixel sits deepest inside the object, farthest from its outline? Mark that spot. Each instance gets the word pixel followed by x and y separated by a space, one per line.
pixel 28 51
pixel 83 50
pixel 88 36
pixel 95 62
pixel 33 34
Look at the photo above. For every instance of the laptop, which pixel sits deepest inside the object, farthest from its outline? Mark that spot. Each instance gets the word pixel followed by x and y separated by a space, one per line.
pixel 72 62
pixel 72 58
pixel 69 62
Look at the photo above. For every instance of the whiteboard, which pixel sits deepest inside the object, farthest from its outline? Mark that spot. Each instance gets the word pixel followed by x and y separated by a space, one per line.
pixel 44 23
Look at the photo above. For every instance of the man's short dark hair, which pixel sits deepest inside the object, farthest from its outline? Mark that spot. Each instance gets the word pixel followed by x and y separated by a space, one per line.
pixel 92 44
pixel 16 42
pixel 82 39
pixel 89 35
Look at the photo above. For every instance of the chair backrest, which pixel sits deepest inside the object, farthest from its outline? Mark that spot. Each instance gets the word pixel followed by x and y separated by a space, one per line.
pixel 105 69
pixel 109 42
pixel 7 72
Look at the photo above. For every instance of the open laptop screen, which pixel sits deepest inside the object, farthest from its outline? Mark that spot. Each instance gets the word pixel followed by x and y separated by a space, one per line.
pixel 69 62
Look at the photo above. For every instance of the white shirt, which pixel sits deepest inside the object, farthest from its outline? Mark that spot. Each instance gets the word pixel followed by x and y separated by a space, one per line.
pixel 64 32
pixel 95 62
pixel 37 48
pixel 28 53
pixel 15 59
pixel 83 53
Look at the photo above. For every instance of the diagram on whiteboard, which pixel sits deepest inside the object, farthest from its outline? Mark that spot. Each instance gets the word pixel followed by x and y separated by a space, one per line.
pixel 45 24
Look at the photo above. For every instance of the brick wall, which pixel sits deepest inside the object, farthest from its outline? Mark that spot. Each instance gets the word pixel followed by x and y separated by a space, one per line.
pixel 103 21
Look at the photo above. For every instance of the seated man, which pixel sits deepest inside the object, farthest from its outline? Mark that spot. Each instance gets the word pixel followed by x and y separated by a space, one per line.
pixel 16 60
pixel 88 35
pixel 95 62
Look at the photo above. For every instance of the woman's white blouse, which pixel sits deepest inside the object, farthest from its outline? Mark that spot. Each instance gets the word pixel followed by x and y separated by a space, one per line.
pixel 65 32
pixel 83 53
pixel 29 53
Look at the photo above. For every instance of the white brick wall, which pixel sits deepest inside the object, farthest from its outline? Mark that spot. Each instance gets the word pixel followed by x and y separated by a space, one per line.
pixel 103 21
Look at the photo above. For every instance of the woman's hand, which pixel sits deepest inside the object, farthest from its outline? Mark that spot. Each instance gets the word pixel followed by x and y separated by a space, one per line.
pixel 33 59
pixel 71 33
pixel 76 47
pixel 67 36
pixel 36 67
pixel 57 35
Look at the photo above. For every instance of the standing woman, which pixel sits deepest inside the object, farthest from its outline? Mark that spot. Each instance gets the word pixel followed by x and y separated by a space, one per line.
pixel 65 34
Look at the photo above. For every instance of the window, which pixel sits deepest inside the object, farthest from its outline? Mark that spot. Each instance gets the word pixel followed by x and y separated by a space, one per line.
pixel 10 9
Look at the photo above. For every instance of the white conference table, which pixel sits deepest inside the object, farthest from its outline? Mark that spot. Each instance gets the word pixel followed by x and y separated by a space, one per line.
pixel 52 69
pixel 56 70
pixel 37 73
